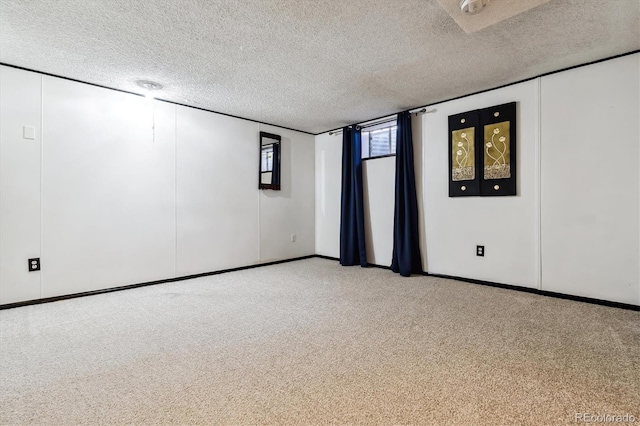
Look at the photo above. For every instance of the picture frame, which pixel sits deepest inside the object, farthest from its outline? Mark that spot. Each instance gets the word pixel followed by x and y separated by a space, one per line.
pixel 463 157
pixel 482 152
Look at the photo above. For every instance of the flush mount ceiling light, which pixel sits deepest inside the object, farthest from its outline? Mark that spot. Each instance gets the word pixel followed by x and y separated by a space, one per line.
pixel 470 7
pixel 149 85
pixel 496 12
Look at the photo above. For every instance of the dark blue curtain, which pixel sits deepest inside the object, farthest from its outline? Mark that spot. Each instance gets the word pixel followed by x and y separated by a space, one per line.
pixel 406 236
pixel 352 243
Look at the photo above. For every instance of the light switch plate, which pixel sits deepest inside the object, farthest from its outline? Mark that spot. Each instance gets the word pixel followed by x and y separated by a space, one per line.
pixel 28 132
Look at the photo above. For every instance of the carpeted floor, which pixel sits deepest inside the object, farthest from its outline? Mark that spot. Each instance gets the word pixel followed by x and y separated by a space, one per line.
pixel 311 342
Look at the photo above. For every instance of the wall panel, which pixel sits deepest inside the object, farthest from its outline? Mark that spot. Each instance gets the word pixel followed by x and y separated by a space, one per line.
pixel 20 95
pixel 506 226
pixel 217 180
pixel 328 170
pixel 379 198
pixel 108 188
pixel 591 181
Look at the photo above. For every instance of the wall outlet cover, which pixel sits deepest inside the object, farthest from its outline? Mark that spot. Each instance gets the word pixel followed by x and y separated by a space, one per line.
pixel 34 264
pixel 480 251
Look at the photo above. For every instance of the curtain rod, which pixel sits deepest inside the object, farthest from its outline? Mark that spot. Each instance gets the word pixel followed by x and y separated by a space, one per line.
pixel 375 123
pixel 384 120
pixel 422 111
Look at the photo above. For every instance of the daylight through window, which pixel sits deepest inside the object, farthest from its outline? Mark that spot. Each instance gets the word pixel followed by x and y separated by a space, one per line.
pixel 379 140
pixel 267 158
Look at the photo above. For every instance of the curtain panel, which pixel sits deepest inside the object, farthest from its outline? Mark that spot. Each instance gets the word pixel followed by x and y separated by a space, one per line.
pixel 406 235
pixel 352 242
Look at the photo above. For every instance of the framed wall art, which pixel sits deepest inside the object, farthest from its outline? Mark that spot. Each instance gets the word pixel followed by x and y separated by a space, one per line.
pixel 482 152
pixel 463 158
pixel 499 150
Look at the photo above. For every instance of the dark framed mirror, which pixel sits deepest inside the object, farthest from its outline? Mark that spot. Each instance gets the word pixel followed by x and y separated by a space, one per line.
pixel 269 177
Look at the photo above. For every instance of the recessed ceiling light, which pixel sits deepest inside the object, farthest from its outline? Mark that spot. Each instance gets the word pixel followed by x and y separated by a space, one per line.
pixel 470 7
pixel 149 85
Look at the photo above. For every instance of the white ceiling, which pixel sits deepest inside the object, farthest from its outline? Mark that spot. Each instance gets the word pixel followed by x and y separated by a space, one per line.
pixel 311 65
pixel 499 11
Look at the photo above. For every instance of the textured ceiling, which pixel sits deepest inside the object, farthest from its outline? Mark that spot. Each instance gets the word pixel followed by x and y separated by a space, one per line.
pixel 312 65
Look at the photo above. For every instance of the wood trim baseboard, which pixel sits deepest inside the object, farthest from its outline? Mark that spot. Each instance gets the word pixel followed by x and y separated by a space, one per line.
pixel 583 299
pixel 130 286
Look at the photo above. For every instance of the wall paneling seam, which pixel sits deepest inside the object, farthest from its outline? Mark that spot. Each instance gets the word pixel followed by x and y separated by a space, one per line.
pixel 538 164
pixel 41 180
pixel 175 190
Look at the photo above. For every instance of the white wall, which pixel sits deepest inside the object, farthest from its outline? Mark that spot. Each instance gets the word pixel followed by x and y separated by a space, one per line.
pixel 512 251
pixel 572 228
pixel 20 94
pixel 292 209
pixel 591 181
pixel 218 198
pixel 328 157
pixel 379 200
pixel 130 191
pixel 114 190
pixel 107 189
pixel 506 226
pixel 378 182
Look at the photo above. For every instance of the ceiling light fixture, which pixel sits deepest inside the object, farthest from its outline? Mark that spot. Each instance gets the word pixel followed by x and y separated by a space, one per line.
pixel 471 7
pixel 149 86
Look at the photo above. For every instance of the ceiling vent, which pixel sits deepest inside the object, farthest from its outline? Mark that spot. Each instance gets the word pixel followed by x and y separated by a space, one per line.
pixel 470 7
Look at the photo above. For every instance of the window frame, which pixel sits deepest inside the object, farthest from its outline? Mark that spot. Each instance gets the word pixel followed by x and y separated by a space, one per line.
pixel 388 124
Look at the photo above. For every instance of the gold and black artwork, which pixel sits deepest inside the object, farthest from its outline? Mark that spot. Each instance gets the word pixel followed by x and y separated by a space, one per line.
pixel 482 152
pixel 464 139
pixel 464 164
pixel 497 164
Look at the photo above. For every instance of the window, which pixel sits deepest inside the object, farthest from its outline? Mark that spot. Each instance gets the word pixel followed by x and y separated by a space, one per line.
pixel 379 140
pixel 267 158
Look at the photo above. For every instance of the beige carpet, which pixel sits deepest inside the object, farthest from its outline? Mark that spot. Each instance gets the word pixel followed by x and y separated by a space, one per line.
pixel 311 342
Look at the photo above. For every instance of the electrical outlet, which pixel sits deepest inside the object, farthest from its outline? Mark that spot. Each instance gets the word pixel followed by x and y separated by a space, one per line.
pixel 480 251
pixel 293 238
pixel 34 264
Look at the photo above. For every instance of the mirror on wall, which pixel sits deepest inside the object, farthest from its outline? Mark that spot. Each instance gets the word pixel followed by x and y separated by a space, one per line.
pixel 269 161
